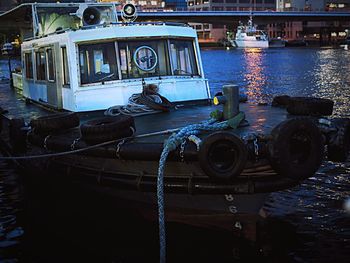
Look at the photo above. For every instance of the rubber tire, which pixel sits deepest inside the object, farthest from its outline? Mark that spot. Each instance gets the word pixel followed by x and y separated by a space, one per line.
pixel 55 122
pixel 310 106
pixel 107 129
pixel 339 143
pixel 234 170
pixel 280 101
pixel 280 147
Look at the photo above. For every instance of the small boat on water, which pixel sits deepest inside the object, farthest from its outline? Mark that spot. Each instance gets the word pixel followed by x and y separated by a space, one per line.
pixel 124 109
pixel 248 36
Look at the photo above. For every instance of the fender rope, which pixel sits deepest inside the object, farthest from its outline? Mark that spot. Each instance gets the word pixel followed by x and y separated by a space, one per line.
pixel 171 144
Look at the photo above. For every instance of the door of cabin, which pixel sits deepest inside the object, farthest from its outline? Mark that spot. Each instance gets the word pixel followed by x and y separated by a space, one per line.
pixel 54 83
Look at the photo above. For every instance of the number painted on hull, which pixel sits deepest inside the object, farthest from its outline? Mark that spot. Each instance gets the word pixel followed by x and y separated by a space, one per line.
pixel 233 209
pixel 229 198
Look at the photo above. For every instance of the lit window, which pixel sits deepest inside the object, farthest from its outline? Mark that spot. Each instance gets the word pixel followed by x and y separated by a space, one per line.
pixel 183 57
pixel 40 65
pixel 28 60
pixel 65 66
pixel 154 3
pixel 50 65
pixel 97 63
pixel 143 59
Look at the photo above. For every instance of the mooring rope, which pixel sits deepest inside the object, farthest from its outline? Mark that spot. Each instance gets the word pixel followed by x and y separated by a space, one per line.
pixel 134 107
pixel 86 148
pixel 170 145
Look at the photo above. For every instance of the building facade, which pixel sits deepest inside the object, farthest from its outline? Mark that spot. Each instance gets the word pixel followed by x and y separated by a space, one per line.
pixel 313 5
pixel 311 32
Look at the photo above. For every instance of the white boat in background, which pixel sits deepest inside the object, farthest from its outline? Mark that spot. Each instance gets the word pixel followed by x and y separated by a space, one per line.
pixel 248 36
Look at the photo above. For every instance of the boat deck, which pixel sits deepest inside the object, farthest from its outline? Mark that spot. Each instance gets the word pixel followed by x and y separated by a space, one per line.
pixel 261 118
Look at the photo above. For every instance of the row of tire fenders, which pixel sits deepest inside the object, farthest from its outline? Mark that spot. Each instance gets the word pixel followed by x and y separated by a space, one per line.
pixel 295 148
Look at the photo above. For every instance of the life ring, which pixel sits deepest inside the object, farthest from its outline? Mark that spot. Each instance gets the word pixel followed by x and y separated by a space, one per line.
pixel 222 156
pixel 296 148
pixel 55 122
pixel 107 129
pixel 280 101
pixel 310 106
pixel 338 145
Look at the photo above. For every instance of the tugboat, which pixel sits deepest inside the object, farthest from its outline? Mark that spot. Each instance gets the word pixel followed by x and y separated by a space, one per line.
pixel 124 109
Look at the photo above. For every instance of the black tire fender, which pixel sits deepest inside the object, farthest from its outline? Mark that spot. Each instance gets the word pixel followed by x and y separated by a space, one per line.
pixel 55 122
pixel 107 129
pixel 296 149
pixel 339 142
pixel 310 106
pixel 223 156
pixel 280 101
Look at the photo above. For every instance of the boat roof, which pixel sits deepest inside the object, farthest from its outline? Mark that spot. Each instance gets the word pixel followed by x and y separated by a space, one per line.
pixel 44 19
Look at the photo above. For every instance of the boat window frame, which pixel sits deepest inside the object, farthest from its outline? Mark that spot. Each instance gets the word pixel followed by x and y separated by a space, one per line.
pixel 48 64
pixel 30 53
pixel 65 74
pixel 36 52
pixel 130 58
pixel 195 54
pixel 94 42
pixel 118 59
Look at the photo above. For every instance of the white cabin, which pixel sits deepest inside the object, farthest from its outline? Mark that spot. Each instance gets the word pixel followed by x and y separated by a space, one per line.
pixel 93 67
pixel 249 36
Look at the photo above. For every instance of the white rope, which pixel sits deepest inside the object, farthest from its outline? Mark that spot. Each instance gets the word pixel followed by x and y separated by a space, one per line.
pixel 134 107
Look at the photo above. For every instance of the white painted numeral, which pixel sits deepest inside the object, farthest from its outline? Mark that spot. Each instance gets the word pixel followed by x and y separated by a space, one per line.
pixel 233 209
pixel 229 198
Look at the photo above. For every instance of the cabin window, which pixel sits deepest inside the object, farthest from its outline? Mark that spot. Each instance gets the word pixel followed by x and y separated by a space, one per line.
pixel 40 65
pixel 65 66
pixel 143 59
pixel 28 61
pixel 50 65
pixel 97 63
pixel 183 58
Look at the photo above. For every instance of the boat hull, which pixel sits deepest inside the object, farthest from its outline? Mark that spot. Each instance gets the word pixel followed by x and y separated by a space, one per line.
pixel 251 44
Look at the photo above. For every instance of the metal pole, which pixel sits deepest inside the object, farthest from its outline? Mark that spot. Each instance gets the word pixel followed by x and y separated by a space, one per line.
pixel 231 107
pixel 10 70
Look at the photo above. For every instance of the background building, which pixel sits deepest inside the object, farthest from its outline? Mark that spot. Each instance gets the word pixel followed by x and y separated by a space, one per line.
pixel 313 5
pixel 311 32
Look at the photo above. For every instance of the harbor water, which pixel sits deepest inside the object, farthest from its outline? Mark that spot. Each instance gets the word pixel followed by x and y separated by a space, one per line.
pixel 308 223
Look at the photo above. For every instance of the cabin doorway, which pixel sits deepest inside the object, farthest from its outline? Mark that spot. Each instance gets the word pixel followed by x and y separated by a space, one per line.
pixel 53 80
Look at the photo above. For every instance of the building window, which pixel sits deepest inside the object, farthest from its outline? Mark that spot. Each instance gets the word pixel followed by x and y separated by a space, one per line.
pixel 50 65
pixel 97 63
pixel 28 60
pixel 40 65
pixel 65 66
pixel 143 59
pixel 183 57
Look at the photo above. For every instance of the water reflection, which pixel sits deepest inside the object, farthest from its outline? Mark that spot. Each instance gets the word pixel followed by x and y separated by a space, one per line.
pixel 332 79
pixel 255 75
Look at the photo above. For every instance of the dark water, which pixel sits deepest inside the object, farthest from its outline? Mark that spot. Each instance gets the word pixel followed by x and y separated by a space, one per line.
pixel 306 224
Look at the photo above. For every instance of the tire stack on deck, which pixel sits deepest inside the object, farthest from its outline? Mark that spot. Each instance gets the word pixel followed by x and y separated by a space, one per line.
pixel 336 134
